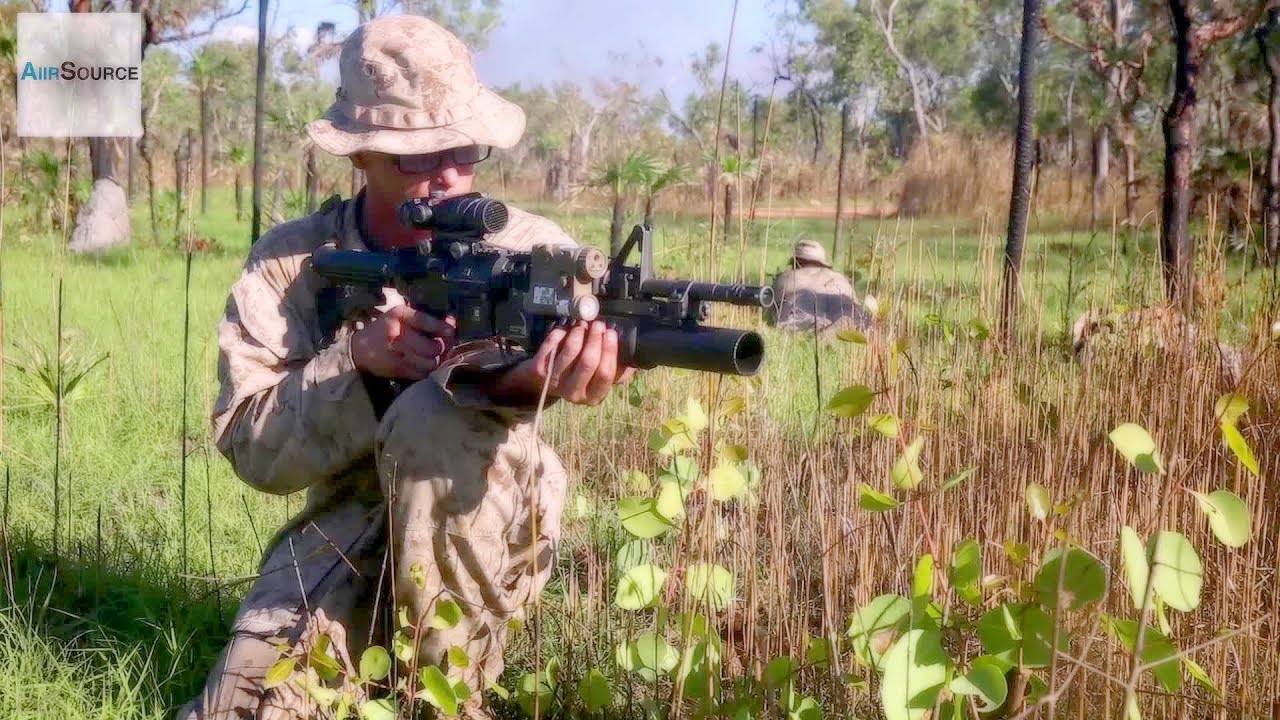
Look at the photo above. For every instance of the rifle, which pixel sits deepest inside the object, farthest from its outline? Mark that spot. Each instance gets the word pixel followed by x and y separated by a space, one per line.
pixel 519 297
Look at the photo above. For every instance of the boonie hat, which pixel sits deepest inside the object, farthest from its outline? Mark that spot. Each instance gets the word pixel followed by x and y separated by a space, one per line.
pixel 409 88
pixel 811 251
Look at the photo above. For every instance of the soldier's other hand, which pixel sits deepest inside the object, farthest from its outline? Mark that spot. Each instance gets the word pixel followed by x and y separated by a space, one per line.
pixel 579 364
pixel 403 344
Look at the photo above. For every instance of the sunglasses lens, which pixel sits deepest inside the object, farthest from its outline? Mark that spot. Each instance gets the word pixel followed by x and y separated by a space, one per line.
pixel 471 154
pixel 416 164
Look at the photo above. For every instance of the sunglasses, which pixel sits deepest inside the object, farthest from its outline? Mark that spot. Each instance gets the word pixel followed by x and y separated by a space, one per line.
pixel 419 164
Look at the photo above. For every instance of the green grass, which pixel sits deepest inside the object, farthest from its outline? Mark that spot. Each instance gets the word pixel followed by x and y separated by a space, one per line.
pixel 113 629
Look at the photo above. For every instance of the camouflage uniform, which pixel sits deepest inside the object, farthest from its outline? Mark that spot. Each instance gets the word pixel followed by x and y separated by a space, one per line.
pixel 467 480
pixel 814 294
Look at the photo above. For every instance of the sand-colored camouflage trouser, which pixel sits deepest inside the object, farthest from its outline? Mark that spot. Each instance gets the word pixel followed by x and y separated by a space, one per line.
pixel 436 499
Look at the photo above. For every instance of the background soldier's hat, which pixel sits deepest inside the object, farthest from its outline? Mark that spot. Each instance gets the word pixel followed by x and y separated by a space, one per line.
pixel 811 251
pixel 409 88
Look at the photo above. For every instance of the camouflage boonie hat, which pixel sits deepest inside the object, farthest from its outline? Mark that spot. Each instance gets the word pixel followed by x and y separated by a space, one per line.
pixel 810 251
pixel 409 88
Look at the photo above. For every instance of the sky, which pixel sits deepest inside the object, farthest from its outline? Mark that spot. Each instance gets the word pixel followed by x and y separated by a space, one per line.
pixel 545 41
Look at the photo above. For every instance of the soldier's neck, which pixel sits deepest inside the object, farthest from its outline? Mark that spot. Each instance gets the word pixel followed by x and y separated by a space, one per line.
pixel 380 226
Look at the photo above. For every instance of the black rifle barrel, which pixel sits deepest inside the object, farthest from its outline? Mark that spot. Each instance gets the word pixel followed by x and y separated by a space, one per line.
pixel 748 295
pixel 707 349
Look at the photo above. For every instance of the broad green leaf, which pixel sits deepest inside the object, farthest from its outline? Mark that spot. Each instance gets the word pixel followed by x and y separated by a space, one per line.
pixel 461 690
pixel 437 690
pixel 871 499
pixel 631 554
pixel 922 579
pixel 1228 516
pixel 1198 674
pixel 375 663
pixel 535 691
pixel 402 646
pixel 806 709
pixel 418 575
pixel 1083 578
pixel 670 502
pixel 730 454
pixel 817 653
pixel 1019 635
pixel 732 406
pixel 279 673
pixel 458 657
pixel 851 336
pixel 966 572
pixel 694 418
pixel 319 660
pixel 1157 650
pixel 499 690
pixel 886 425
pixel 594 691
pixel 727 482
pixel 779 671
pixel 1230 407
pixel 985 680
pixel 325 697
pixel 1176 572
pixel 699 670
pixel 1137 572
pixel 448 614
pixel 1039 504
pixel 666 441
pixel 710 584
pixel 382 709
pixel 851 401
pixel 641 518
pixel 636 480
pixel 906 473
pixel 1137 446
pixel 915 671
pixel 874 627
pixel 651 656
pixel 1240 447
pixel 960 477
pixel 683 470
pixel 640 587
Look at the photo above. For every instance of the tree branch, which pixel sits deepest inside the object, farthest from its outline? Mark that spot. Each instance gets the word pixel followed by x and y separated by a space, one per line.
pixel 192 34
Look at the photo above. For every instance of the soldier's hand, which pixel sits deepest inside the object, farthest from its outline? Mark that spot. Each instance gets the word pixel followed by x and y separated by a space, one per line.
pixel 579 363
pixel 402 344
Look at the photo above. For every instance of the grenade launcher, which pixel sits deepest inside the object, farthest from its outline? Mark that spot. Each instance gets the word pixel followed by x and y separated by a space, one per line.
pixel 518 297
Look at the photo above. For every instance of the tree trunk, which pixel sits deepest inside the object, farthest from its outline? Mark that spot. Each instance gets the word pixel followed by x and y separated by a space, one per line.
pixel 204 152
pixel 1176 248
pixel 129 168
pixel 1271 199
pixel 1130 151
pixel 1071 142
pixel 755 127
pixel 728 210
pixel 648 209
pixel 256 224
pixel 181 167
pixel 1101 168
pixel 615 226
pixel 838 248
pixel 1023 164
pixel 239 194
pixel 144 147
pixel 313 178
pixel 815 120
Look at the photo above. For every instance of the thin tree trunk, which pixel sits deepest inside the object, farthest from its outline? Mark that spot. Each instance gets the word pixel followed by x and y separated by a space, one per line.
pixel 615 226
pixel 144 147
pixel 239 194
pixel 755 127
pixel 838 248
pixel 129 168
pixel 1176 249
pixel 1023 165
pixel 256 224
pixel 1101 168
pixel 648 209
pixel 1271 199
pixel 1130 152
pixel 1071 142
pixel 728 210
pixel 312 176
pixel 181 166
pixel 204 152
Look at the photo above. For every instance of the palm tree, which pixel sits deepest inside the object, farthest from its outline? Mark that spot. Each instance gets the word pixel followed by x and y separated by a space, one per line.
pixel 618 176
pixel 666 178
pixel 207 70
pixel 239 156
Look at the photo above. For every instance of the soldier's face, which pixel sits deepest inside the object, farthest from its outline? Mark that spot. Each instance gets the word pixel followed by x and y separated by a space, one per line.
pixel 409 177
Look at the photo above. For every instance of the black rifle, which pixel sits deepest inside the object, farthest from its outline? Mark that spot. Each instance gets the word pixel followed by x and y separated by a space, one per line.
pixel 519 297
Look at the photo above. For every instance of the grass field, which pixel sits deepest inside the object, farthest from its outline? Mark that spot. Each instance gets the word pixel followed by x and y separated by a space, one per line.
pixel 118 603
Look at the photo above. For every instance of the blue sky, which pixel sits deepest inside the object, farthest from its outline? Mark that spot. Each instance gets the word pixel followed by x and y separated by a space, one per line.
pixel 551 40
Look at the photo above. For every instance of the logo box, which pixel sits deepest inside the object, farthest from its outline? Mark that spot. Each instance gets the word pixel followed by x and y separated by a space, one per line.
pixel 79 75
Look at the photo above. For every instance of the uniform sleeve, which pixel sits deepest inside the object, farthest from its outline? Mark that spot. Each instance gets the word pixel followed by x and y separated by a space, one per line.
pixel 289 414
